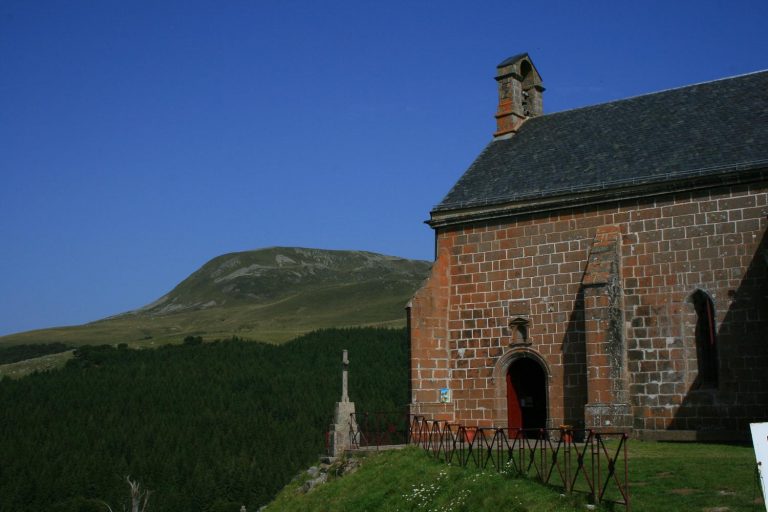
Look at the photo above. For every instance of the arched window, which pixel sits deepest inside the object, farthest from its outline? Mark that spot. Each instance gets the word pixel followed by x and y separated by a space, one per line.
pixel 525 70
pixel 527 82
pixel 706 340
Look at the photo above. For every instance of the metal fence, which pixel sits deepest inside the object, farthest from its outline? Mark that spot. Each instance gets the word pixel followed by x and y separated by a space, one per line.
pixel 585 461
pixel 575 461
pixel 378 429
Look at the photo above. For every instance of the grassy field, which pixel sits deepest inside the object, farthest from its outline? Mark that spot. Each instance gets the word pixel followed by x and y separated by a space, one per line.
pixel 360 304
pixel 692 476
pixel 663 477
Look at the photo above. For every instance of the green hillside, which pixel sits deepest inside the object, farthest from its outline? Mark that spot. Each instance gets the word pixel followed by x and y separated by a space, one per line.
pixel 270 294
pixel 206 427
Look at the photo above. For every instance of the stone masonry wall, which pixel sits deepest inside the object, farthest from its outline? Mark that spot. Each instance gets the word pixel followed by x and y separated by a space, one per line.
pixel 670 246
pixel 429 342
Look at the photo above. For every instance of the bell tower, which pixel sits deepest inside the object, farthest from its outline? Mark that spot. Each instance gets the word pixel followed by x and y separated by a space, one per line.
pixel 520 94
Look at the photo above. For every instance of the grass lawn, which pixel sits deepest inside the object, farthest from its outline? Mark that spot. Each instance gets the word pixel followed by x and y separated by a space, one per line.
pixel 693 476
pixel 663 477
pixel 410 480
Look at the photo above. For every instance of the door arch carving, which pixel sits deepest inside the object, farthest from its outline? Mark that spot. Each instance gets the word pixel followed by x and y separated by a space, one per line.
pixel 521 378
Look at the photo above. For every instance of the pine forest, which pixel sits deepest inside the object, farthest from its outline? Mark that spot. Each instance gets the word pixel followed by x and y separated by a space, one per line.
pixel 204 426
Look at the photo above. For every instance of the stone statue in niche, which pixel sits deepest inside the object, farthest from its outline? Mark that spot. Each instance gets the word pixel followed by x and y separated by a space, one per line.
pixel 519 332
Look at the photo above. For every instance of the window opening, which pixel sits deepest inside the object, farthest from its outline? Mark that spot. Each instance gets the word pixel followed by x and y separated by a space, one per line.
pixel 706 340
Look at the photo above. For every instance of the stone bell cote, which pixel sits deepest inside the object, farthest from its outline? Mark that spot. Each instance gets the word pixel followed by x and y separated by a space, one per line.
pixel 520 94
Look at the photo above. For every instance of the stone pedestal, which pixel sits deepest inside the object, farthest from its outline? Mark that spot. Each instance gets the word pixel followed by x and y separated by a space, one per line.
pixel 343 431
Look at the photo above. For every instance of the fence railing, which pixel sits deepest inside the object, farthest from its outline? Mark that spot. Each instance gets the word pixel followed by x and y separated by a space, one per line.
pixel 378 429
pixel 574 460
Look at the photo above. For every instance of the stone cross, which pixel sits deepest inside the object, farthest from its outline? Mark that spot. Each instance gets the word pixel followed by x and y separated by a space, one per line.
pixel 344 371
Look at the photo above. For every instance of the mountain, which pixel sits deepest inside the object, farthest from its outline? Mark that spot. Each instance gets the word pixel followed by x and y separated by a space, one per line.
pixel 271 294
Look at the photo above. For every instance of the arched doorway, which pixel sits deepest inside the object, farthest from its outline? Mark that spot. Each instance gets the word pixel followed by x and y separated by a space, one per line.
pixel 526 394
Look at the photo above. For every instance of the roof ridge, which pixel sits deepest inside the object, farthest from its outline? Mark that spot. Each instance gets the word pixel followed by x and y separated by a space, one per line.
pixel 670 89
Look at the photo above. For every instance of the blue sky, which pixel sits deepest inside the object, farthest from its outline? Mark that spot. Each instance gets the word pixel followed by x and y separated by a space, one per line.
pixel 140 139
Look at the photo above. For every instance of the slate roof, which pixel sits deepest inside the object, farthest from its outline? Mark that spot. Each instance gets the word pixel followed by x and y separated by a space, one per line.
pixel 512 59
pixel 705 129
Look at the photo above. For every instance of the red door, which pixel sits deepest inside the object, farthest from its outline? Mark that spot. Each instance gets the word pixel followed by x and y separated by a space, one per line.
pixel 514 411
pixel 526 395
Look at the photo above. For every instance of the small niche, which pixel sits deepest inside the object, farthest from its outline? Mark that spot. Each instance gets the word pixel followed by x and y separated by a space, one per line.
pixel 519 331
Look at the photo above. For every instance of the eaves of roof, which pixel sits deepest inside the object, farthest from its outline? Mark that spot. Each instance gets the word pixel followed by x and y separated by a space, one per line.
pixel 569 199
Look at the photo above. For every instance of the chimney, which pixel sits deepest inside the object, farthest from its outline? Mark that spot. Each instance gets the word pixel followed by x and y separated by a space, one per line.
pixel 520 93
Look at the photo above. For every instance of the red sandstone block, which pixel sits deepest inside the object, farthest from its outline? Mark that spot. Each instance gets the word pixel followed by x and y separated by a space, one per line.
pixel 683 221
pixel 508 243
pixel 571 266
pixel 725 228
pixel 645 237
pixel 663 257
pixel 469 249
pixel 465 259
pixel 620 218
pixel 425 395
pixel 757 212
pixel 473 237
pixel 752 224
pixel 548 269
pixel 707 206
pixel 531 230
pixel 546 227
pixel 745 201
pixel 495 276
pixel 484 288
pixel 485 403
pixel 673 233
pixel 680 209
pixel 488 236
pixel 530 293
pixel 636 227
pixel 645 213
pixel 589 222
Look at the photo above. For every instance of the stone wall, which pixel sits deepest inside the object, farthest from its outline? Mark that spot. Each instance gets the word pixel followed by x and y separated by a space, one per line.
pixel 533 267
pixel 428 326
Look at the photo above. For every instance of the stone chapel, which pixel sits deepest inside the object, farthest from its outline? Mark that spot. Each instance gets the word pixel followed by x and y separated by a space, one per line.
pixel 604 267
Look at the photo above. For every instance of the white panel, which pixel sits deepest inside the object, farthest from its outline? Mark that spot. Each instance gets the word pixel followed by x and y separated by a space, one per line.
pixel 760 442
